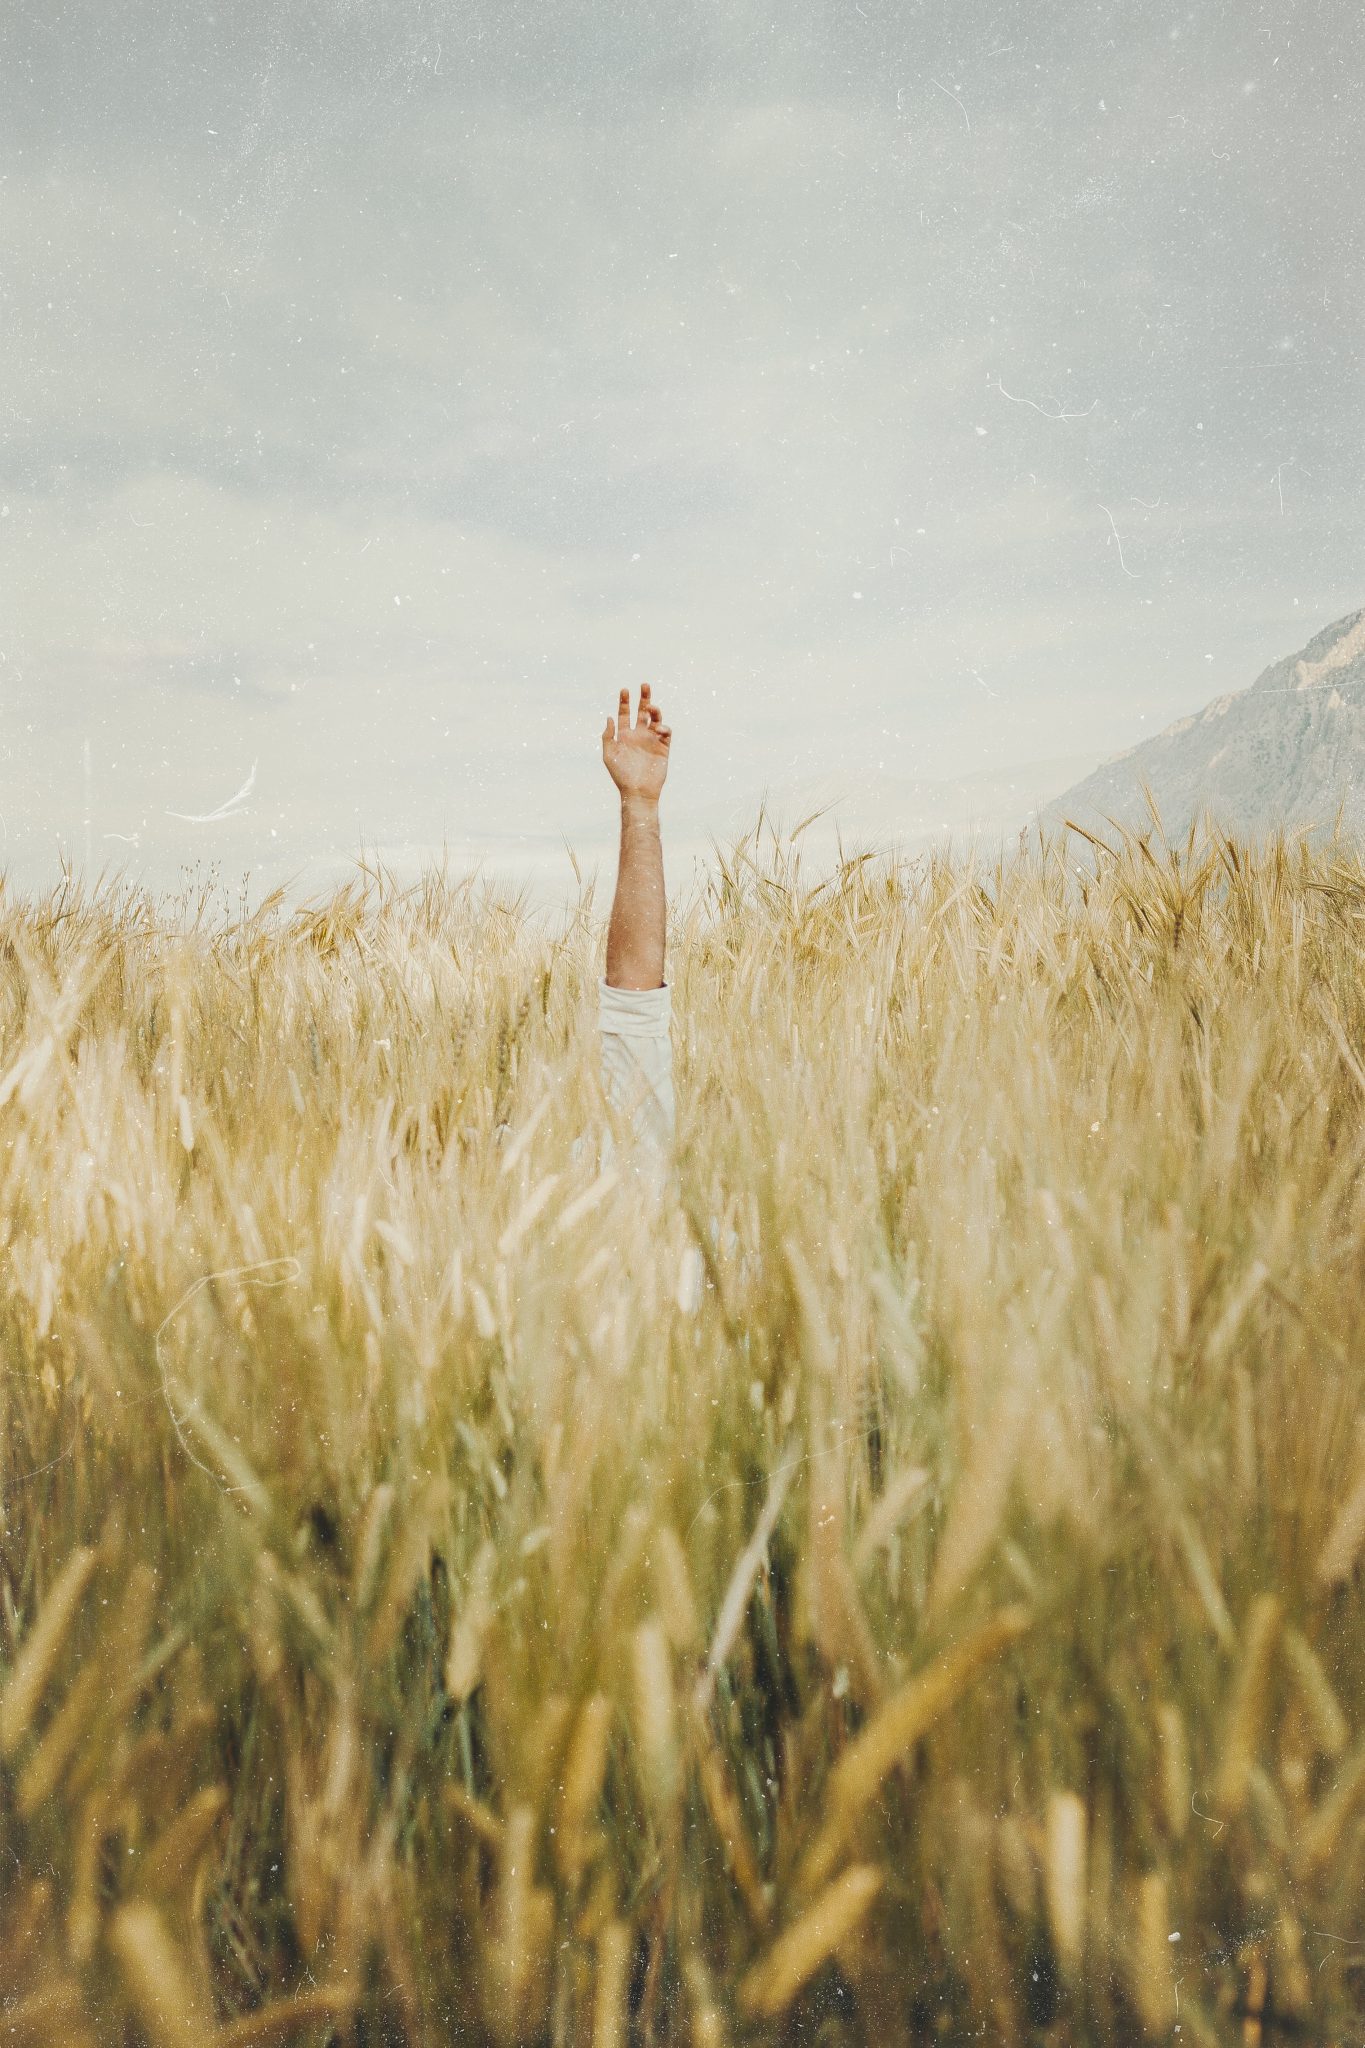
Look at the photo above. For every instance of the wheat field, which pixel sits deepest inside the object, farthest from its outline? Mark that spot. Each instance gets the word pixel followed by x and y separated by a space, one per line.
pixel 909 1588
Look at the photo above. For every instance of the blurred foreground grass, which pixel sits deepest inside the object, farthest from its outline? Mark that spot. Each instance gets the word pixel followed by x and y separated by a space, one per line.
pixel 422 1621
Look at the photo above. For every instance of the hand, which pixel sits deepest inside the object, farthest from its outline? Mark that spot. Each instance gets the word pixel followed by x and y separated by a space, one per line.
pixel 637 755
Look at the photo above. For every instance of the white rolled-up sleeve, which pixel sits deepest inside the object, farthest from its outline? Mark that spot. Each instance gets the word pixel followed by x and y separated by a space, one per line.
pixel 637 1068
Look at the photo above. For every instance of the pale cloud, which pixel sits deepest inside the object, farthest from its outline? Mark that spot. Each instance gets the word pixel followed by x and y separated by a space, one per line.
pixel 477 365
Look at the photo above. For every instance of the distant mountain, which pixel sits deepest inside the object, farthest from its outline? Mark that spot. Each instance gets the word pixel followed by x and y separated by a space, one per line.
pixel 1290 750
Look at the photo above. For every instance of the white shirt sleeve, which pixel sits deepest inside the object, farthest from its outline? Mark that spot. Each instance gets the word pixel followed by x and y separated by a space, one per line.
pixel 637 1070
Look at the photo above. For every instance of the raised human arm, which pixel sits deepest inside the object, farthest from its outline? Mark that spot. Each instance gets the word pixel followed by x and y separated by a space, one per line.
pixel 636 758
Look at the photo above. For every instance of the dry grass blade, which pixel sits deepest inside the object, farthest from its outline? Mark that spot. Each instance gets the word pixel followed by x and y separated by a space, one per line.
pixel 515 1150
pixel 170 1863
pixel 408 1560
pixel 609 2015
pixel 673 1590
pixel 519 1958
pixel 978 1504
pixel 1350 1060
pixel 1326 1825
pixel 1151 1974
pixel 895 1729
pixel 737 1591
pixel 475 1814
pixel 465 1656
pixel 585 1772
pixel 1174 1777
pixel 838 1621
pixel 906 1491
pixel 1337 1559
pixel 1064 1878
pixel 286 2018
pixel 1247 1706
pixel 655 1713
pixel 527 1214
pixel 1205 1582
pixel 159 1984
pixel 40 1649
pixel 62 1737
pixel 803 1948
pixel 591 1198
pixel 1321 1704
pixel 728 1820
pixel 230 1469
pixel 373 1532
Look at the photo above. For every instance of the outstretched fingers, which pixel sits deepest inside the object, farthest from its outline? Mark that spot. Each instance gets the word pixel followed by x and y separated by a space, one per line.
pixel 648 719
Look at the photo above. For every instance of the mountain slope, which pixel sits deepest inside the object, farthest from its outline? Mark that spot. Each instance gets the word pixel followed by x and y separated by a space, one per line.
pixel 1290 750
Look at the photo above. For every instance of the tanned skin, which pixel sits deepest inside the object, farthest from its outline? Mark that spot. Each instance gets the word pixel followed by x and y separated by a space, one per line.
pixel 636 758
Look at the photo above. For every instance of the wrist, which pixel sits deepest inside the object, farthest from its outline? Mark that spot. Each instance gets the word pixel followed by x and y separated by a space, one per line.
pixel 636 809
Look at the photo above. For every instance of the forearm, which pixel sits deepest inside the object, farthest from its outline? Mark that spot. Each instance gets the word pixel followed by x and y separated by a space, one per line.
pixel 635 934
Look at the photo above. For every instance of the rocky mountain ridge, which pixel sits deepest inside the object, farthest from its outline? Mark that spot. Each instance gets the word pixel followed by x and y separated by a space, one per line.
pixel 1287 751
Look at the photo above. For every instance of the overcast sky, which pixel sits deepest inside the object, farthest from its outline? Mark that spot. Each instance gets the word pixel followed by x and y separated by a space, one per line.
pixel 909 392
